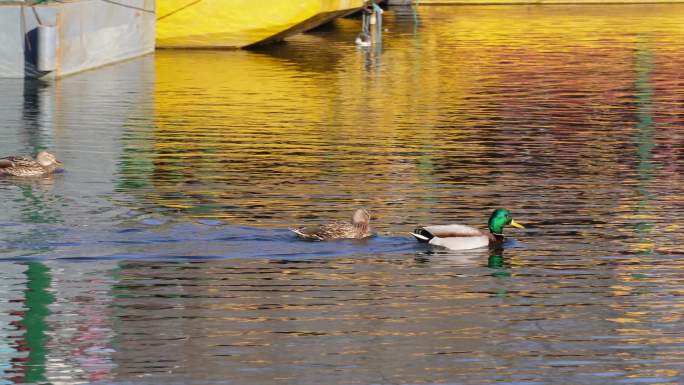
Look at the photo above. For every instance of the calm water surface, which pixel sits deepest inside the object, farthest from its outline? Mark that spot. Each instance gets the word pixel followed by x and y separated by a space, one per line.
pixel 162 256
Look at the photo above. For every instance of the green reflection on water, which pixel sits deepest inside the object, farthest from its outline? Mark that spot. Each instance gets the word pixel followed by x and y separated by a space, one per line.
pixel 38 210
pixel 38 298
pixel 644 98
pixel 497 262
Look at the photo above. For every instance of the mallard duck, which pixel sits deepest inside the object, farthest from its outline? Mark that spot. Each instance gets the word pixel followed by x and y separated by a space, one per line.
pixel 358 228
pixel 44 163
pixel 363 40
pixel 462 237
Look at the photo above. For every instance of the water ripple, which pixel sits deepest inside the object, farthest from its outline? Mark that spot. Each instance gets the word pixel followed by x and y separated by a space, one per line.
pixel 162 254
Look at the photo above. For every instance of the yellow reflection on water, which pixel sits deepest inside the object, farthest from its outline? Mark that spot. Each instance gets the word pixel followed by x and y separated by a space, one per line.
pixel 463 108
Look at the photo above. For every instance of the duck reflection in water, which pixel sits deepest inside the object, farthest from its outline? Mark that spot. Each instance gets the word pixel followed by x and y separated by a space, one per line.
pixel 468 258
pixel 499 263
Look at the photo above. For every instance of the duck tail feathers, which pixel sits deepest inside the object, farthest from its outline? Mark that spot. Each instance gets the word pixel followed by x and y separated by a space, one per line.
pixel 303 235
pixel 299 233
pixel 422 235
pixel 419 237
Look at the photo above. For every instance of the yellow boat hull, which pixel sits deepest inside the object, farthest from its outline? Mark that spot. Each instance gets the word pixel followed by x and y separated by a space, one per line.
pixel 240 23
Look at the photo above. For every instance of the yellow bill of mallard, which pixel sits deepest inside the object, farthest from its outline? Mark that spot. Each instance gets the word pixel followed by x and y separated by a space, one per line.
pixel 516 224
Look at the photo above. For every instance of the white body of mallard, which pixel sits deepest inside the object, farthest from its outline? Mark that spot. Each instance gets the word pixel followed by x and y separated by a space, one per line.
pixel 363 40
pixel 455 237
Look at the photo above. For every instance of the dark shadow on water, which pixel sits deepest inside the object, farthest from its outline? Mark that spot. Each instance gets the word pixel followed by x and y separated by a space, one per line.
pixel 328 27
pixel 321 58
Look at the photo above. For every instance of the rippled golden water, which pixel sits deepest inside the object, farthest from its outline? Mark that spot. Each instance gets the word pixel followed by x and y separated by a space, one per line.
pixel 162 255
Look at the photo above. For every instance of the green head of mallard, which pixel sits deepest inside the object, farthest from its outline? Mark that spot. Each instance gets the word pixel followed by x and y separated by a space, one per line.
pixel 501 218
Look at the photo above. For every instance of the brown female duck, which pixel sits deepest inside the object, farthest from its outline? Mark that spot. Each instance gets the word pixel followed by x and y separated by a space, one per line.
pixel 358 228
pixel 24 166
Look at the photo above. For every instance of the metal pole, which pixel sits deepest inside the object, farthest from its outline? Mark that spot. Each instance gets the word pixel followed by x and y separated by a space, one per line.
pixel 378 22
